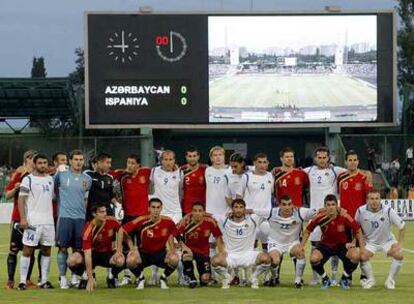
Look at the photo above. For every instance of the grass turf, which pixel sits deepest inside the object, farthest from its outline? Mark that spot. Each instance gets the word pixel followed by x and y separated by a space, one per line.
pixel 265 90
pixel 285 292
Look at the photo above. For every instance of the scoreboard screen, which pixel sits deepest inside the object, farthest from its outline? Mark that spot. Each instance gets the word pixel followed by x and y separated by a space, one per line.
pixel 237 71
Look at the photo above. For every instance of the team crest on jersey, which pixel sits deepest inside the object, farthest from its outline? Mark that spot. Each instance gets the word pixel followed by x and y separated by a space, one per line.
pixel 99 237
pixel 297 181
pixel 150 233
pixel 85 184
pixel 246 226
pixel 110 233
pixel 129 181
pixel 164 232
pixel 341 228
pixel 50 183
pixel 345 185
pixel 358 186
pixel 201 180
pixel 142 179
pixel 382 219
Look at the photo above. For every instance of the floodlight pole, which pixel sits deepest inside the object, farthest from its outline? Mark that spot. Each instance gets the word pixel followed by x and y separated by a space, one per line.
pixel 147 147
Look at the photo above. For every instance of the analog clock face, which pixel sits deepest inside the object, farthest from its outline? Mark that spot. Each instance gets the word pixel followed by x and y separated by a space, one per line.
pixel 122 46
pixel 171 47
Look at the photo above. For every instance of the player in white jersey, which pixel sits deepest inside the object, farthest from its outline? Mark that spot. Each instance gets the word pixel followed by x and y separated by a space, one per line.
pixel 239 234
pixel 234 178
pixel 376 220
pixel 216 183
pixel 36 219
pixel 257 190
pixel 238 167
pixel 166 180
pixel 322 181
pixel 285 223
pixel 216 189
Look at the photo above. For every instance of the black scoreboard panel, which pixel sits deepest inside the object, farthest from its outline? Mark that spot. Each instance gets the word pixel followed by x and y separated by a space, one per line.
pixel 147 69
pixel 160 71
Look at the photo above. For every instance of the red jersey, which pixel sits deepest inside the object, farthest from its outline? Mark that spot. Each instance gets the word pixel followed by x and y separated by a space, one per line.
pixel 194 187
pixel 134 190
pixel 334 230
pixel 153 236
pixel 196 235
pixel 353 190
pixel 100 239
pixel 290 183
pixel 16 178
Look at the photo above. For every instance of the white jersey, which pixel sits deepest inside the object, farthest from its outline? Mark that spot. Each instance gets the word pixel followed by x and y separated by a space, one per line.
pixel 376 226
pixel 39 191
pixel 233 185
pixel 257 190
pixel 216 190
pixel 239 237
pixel 285 230
pixel 322 182
pixel 167 189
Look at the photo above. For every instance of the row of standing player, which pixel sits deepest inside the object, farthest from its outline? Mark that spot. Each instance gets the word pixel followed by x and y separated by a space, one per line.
pixel 196 181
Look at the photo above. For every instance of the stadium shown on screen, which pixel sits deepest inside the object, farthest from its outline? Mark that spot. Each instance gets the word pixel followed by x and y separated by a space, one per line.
pixel 292 68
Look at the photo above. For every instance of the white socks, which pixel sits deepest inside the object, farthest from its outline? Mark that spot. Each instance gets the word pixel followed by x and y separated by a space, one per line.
pixel 24 268
pixel 300 268
pixel 394 269
pixel 45 266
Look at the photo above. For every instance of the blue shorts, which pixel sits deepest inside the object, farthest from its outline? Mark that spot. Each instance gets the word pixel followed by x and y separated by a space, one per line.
pixel 69 232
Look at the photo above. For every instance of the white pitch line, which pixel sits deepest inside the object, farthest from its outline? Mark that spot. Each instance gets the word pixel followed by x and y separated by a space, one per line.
pixel 408 250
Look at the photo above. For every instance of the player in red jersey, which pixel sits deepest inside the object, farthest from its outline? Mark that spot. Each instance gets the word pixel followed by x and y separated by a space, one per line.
pixel 156 245
pixel 335 241
pixel 353 185
pixel 194 183
pixel 97 249
pixel 16 245
pixel 194 232
pixel 289 180
pixel 134 184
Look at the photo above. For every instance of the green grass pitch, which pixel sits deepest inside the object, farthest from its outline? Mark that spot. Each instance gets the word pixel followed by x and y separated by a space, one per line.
pixel 282 294
pixel 265 90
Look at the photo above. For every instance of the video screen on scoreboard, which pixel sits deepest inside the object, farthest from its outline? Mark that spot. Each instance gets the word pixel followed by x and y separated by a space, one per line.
pixel 303 68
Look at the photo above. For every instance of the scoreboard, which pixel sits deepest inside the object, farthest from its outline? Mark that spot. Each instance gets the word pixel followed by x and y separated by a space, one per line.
pixel 162 71
pixel 146 69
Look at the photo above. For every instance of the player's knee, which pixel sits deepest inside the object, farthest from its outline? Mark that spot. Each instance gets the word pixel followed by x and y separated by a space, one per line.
pixel 187 257
pixel 315 257
pixel 133 260
pixel 74 259
pixel 218 260
pixel 353 255
pixel 205 278
pixel 275 259
pixel 117 261
pixel 264 258
pixel 172 260
pixel 398 254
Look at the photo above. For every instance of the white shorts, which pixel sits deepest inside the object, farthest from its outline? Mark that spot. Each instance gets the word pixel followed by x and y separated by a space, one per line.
pixel 385 247
pixel 242 259
pixel 262 232
pixel 43 235
pixel 316 234
pixel 281 248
